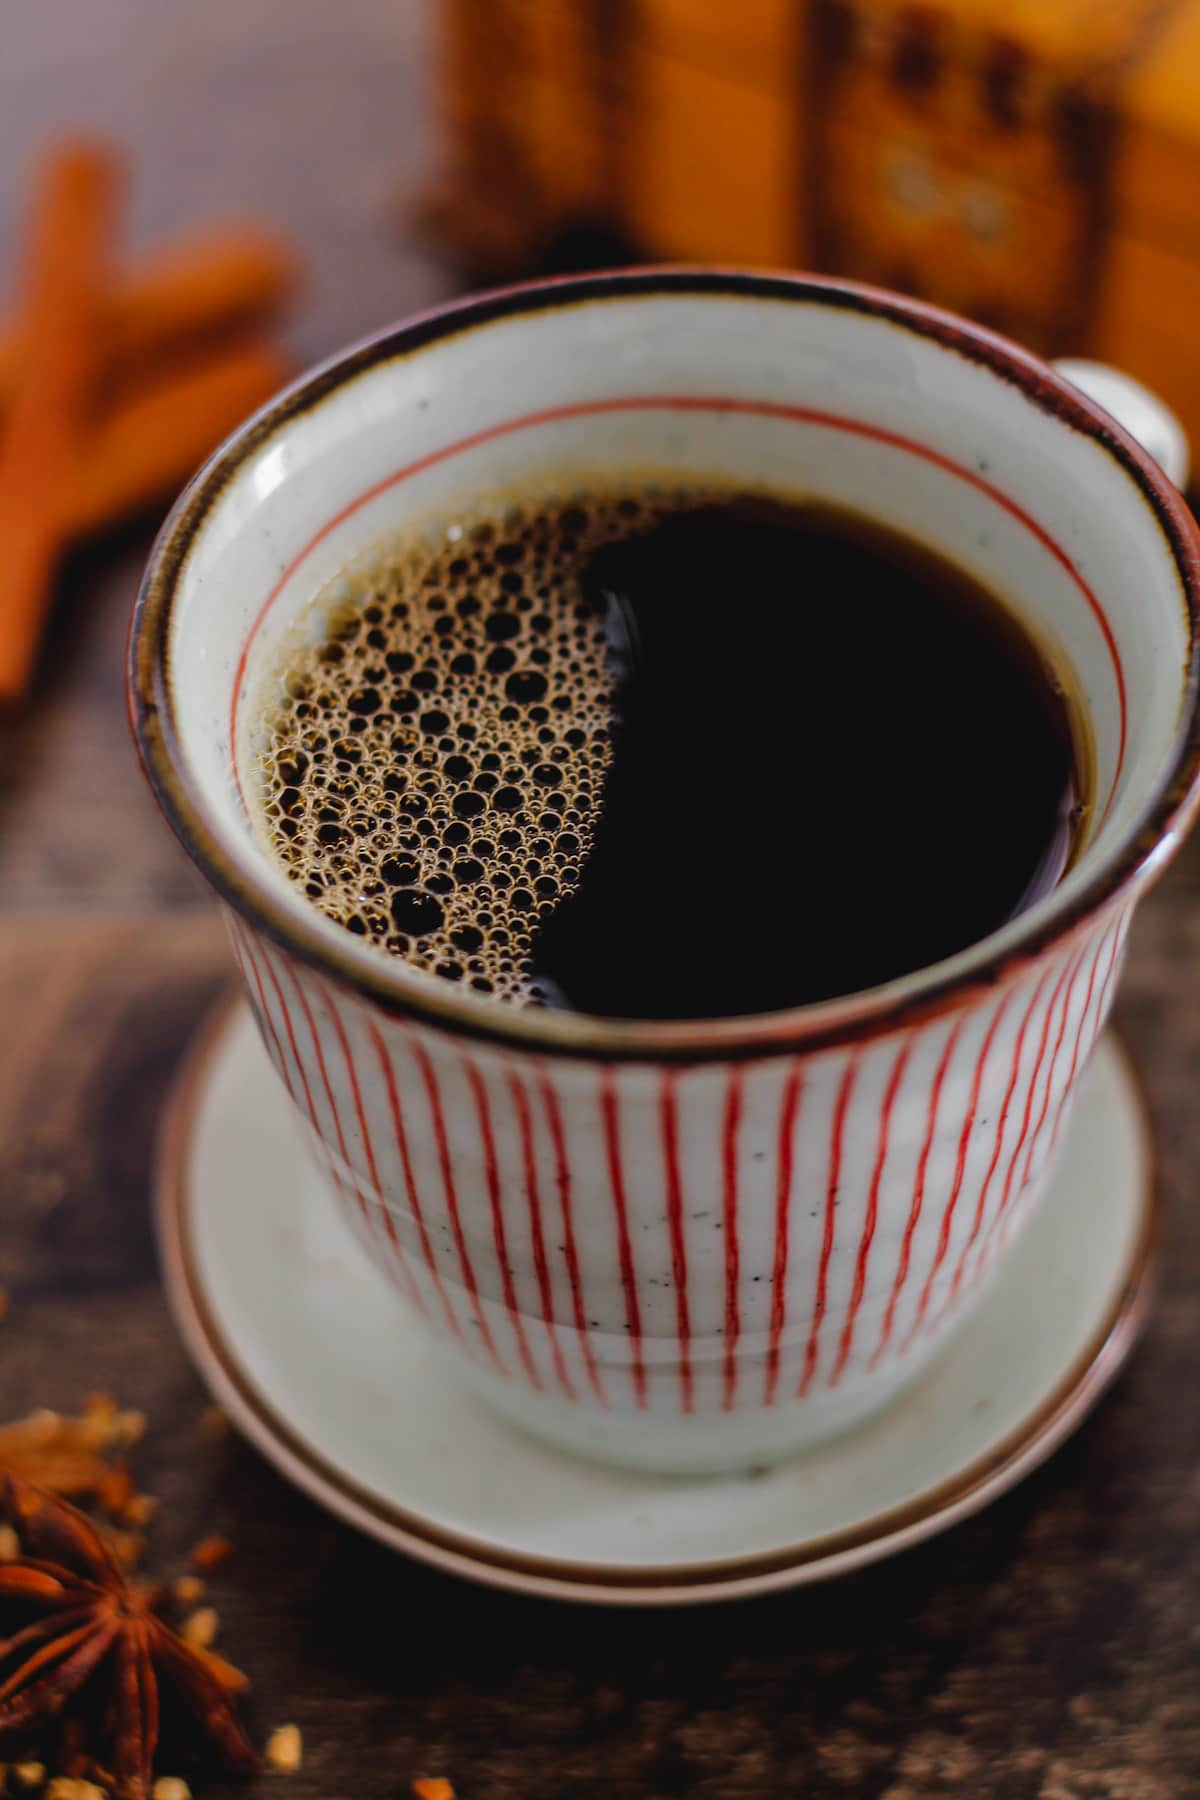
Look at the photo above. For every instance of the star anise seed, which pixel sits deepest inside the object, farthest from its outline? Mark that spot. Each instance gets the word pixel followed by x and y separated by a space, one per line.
pixel 88 1617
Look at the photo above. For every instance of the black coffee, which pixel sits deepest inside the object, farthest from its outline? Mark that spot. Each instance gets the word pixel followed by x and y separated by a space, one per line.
pixel 663 755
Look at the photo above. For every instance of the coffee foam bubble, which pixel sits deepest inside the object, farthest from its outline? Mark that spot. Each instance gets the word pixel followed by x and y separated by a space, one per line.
pixel 432 761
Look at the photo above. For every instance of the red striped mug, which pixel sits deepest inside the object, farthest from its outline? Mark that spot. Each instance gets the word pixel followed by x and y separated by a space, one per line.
pixel 699 1245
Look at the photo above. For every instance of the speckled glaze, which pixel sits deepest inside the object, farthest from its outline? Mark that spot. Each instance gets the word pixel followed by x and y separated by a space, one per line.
pixel 700 1245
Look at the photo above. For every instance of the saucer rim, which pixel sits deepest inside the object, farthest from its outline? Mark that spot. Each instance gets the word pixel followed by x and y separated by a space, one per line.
pixel 1059 1412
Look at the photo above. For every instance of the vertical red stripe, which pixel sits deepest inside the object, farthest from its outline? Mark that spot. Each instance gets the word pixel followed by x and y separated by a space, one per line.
pixel 999 1227
pixel 310 1107
pixel 812 1348
pixel 1005 1225
pixel 414 1198
pixel 1076 1048
pixel 389 1224
pixel 322 1069
pixel 1103 956
pixel 541 1267
pixel 616 1175
pixel 793 1088
pixel 1043 1044
pixel 960 1167
pixel 1064 1097
pixel 562 1182
pixel 1114 965
pixel 729 1211
pixel 438 1120
pixel 356 1091
pixel 1108 953
pixel 246 961
pixel 669 1125
pixel 491 1176
pixel 347 1168
pixel 977 1224
pixel 1105 953
pixel 918 1198
pixel 1058 1044
pixel 872 1213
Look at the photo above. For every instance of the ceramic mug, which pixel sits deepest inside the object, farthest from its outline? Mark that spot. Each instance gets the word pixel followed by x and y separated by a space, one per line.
pixel 698 1245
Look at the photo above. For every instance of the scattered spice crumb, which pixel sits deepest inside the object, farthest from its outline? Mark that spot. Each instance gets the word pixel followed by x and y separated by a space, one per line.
pixel 285 1750
pixel 29 1774
pixel 199 1629
pixel 63 1787
pixel 213 1422
pixel 210 1553
pixel 433 1788
pixel 170 1787
pixel 126 1546
pixel 3 1304
pixel 76 1455
pixel 10 1544
pixel 111 1427
pixel 116 1490
pixel 72 1454
pixel 140 1509
pixel 189 1590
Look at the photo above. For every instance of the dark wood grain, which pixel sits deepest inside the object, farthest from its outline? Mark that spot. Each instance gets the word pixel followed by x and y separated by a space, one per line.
pixel 1047 1650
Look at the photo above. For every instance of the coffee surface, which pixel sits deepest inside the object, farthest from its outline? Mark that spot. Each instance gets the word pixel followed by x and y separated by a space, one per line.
pixel 661 754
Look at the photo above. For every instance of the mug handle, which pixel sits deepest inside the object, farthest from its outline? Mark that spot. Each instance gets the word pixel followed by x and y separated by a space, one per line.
pixel 1142 413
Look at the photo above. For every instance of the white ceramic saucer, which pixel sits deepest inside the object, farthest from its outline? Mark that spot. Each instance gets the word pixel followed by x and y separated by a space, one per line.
pixel 311 1354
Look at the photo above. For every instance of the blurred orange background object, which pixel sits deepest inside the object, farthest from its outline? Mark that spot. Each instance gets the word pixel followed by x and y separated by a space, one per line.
pixel 115 389
pixel 1035 165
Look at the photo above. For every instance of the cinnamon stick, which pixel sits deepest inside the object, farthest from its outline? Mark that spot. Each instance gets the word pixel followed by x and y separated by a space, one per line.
pixel 152 441
pixel 63 282
pixel 212 284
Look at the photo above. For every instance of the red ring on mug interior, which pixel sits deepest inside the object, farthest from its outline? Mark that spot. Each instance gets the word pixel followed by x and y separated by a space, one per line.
pixel 387 982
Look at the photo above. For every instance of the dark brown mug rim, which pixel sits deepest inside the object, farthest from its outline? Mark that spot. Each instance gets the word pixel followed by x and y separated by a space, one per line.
pixel 401 991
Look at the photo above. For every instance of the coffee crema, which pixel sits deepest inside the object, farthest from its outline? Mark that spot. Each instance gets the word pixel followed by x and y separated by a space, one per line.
pixel 664 753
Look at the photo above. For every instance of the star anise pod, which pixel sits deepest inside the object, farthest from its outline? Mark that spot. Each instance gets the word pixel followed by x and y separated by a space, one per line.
pixel 90 1619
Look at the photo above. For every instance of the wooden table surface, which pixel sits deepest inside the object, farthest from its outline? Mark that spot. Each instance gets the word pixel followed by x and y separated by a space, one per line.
pixel 1048 1648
